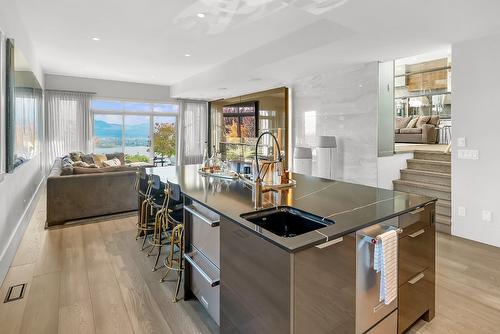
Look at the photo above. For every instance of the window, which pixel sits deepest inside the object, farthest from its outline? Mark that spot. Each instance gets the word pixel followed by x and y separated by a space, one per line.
pixel 240 120
pixel 144 131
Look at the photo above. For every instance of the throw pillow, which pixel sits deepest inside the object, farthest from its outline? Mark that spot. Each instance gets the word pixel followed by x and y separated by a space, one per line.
pixel 76 156
pixel 423 120
pixel 115 162
pixel 88 158
pixel 413 122
pixel 119 155
pixel 99 159
pixel 434 120
pixel 402 122
pixel 66 166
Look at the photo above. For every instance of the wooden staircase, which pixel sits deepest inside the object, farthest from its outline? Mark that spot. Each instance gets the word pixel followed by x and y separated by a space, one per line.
pixel 429 173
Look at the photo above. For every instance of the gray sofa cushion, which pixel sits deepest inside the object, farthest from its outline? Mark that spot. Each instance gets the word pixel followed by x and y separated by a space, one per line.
pixel 411 131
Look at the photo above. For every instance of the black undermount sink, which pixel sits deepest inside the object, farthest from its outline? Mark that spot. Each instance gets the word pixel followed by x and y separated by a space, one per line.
pixel 286 221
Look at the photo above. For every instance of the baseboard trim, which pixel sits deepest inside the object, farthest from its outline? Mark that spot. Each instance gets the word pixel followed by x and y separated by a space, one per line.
pixel 91 220
pixel 9 252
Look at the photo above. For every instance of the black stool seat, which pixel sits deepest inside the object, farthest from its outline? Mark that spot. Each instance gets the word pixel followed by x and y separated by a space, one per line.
pixel 177 215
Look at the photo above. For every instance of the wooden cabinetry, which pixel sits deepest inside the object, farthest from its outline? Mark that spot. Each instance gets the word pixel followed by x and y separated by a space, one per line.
pixel 266 289
pixel 417 248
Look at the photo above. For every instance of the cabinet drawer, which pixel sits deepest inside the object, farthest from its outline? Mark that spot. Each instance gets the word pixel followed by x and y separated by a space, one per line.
pixel 415 220
pixel 416 252
pixel 205 283
pixel 416 297
pixel 205 232
pixel 387 326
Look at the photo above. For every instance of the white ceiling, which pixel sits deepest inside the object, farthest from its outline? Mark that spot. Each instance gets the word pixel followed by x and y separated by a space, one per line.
pixel 240 45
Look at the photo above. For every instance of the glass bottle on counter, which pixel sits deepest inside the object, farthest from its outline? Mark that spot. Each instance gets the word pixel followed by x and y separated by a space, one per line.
pixel 214 161
pixel 206 161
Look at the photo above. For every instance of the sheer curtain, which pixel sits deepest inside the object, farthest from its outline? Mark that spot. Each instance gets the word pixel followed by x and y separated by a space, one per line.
pixel 68 124
pixel 193 132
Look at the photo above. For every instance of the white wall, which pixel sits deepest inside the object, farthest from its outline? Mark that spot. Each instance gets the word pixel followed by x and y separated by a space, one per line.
pixel 388 169
pixel 109 88
pixel 476 183
pixel 342 103
pixel 17 189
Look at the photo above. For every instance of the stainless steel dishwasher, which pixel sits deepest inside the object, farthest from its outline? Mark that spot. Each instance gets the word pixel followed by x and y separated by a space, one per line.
pixel 372 316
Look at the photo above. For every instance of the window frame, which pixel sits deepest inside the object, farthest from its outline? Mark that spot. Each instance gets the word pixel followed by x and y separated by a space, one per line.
pixel 151 114
pixel 239 115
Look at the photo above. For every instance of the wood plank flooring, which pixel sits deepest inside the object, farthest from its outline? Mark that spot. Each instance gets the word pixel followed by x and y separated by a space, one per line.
pixel 92 278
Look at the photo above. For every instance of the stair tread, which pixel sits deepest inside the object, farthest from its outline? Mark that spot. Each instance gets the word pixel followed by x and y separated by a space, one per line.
pixel 443 220
pixel 423 185
pixel 444 202
pixel 431 152
pixel 430 162
pixel 425 172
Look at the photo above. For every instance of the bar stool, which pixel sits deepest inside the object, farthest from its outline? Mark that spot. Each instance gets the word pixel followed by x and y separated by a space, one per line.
pixel 160 235
pixel 149 208
pixel 174 221
pixel 144 184
pixel 142 187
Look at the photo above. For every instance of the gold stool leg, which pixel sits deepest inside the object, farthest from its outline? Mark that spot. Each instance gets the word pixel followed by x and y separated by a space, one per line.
pixel 178 286
pixel 180 244
pixel 157 237
pixel 145 225
pixel 140 223
pixel 173 263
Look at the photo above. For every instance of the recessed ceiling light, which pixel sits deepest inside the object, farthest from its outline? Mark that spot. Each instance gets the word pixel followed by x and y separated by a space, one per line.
pixel 223 88
pixel 201 15
pixel 97 39
pixel 187 55
pixel 255 79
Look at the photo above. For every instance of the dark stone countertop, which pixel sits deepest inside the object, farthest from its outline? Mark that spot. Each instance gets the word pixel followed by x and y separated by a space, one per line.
pixel 350 206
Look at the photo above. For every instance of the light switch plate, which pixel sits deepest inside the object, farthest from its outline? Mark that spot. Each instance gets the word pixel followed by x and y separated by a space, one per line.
pixel 461 211
pixel 461 142
pixel 468 154
pixel 486 216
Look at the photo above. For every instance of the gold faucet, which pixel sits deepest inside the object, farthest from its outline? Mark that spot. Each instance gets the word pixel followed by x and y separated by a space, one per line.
pixel 261 173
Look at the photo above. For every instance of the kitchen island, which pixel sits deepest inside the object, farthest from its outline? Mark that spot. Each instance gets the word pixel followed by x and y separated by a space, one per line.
pixel 319 281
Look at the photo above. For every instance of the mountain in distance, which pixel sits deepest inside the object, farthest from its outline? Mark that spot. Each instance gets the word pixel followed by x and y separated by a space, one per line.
pixel 111 130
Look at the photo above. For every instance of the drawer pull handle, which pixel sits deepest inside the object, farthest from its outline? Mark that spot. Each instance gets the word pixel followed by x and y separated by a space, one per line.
pixel 329 243
pixel 414 212
pixel 416 234
pixel 194 212
pixel 416 278
pixel 212 281
pixel 378 307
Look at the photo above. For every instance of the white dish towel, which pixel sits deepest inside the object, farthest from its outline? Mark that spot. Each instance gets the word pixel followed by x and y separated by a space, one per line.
pixel 386 263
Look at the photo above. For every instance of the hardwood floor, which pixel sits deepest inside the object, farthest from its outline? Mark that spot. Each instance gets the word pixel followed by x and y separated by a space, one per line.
pixel 92 278
pixel 406 147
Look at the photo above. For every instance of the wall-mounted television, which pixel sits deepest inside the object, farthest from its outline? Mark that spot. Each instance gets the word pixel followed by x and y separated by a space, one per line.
pixel 241 120
pixel 24 106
